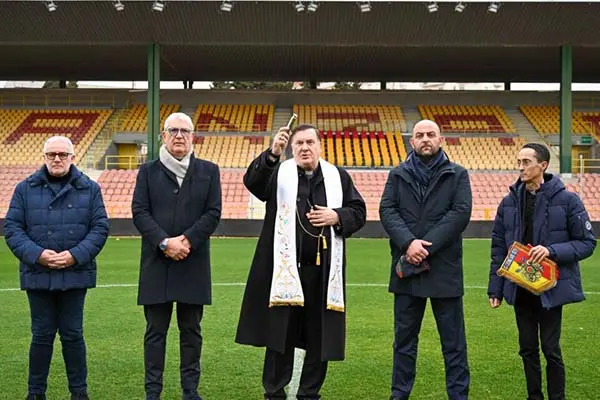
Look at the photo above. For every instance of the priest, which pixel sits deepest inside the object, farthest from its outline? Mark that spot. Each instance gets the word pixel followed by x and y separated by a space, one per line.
pixel 295 294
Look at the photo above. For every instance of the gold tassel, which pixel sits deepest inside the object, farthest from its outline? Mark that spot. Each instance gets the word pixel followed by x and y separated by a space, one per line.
pixel 318 258
pixel 324 242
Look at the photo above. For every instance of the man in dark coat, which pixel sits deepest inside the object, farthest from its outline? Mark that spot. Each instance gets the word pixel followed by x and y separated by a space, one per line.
pixel 540 212
pixel 176 208
pixel 296 286
pixel 425 207
pixel 56 225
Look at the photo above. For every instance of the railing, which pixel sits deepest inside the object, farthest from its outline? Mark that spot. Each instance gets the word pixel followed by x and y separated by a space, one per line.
pixel 124 162
pixel 586 102
pixel 254 128
pixel 493 129
pixel 585 165
pixel 58 100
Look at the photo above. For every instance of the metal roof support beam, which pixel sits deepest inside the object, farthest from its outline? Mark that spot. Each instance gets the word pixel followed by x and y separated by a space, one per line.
pixel 153 101
pixel 566 107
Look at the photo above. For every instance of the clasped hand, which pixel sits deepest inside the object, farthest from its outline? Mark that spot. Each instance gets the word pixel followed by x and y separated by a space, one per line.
pixel 416 252
pixel 178 248
pixel 52 259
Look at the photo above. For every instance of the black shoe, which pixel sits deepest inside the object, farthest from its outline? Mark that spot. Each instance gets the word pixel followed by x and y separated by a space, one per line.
pixel 80 396
pixel 190 396
pixel 35 397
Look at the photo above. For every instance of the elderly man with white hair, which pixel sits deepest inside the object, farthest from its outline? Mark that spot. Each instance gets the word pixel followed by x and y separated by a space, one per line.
pixel 56 226
pixel 176 208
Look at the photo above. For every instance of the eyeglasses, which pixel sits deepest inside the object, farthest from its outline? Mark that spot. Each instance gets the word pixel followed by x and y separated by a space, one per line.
pixel 52 156
pixel 176 131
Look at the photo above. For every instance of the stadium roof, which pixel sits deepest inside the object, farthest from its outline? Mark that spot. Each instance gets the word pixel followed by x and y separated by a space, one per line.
pixel 270 40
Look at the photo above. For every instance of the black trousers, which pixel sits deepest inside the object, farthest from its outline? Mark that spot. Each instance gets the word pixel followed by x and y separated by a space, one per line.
pixel 158 318
pixel 537 324
pixel 449 317
pixel 304 326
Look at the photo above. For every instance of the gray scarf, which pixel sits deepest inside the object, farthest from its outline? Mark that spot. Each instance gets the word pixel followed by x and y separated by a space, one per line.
pixel 178 167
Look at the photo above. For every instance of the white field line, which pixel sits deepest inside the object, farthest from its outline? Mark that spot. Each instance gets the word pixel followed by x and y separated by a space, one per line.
pixel 360 285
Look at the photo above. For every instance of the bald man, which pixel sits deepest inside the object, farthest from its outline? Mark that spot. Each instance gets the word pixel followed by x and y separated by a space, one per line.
pixel 56 226
pixel 425 207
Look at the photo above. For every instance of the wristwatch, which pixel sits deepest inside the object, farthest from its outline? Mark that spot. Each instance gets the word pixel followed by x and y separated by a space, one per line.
pixel 163 245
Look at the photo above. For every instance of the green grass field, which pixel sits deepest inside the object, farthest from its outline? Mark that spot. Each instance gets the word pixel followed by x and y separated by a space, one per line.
pixel 114 328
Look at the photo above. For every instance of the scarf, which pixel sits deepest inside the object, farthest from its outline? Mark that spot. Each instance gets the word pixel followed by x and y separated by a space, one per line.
pixel 286 288
pixel 178 167
pixel 424 172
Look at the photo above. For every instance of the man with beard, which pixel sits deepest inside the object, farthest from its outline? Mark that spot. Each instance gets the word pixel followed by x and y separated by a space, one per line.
pixel 540 212
pixel 296 286
pixel 425 207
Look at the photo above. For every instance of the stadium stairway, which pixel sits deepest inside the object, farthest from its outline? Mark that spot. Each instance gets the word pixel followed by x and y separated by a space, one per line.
pixel 98 148
pixel 412 116
pixel 281 117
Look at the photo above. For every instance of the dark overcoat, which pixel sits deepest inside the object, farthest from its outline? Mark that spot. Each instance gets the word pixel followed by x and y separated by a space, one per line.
pixel 161 209
pixel 262 326
pixel 439 215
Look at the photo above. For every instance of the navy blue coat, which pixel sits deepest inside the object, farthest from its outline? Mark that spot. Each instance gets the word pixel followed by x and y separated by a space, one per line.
pixel 439 217
pixel 560 223
pixel 72 219
pixel 162 209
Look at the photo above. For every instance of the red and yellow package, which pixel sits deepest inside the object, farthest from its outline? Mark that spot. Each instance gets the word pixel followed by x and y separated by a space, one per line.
pixel 537 278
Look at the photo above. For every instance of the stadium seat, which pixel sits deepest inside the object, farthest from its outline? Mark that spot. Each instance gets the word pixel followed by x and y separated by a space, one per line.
pixel 471 118
pixel 234 118
pixel 24 131
pixel 546 120
pixel 136 119
pixel 358 136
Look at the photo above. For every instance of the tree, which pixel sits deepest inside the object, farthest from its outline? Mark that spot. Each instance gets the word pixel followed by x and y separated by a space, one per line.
pixel 254 85
pixel 346 86
pixel 221 85
pixel 56 85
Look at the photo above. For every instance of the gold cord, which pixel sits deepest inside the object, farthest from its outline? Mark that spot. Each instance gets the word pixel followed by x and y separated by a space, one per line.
pixel 319 237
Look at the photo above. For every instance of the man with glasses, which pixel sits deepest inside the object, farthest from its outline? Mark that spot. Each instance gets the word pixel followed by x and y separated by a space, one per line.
pixel 56 226
pixel 176 208
pixel 539 211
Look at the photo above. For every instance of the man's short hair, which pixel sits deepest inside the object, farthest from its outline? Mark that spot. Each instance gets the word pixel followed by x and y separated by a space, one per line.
pixel 178 115
pixel 304 127
pixel 64 139
pixel 541 152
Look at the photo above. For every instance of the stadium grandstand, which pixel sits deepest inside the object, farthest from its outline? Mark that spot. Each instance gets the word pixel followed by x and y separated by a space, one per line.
pixel 366 131
pixel 386 46
pixel 366 139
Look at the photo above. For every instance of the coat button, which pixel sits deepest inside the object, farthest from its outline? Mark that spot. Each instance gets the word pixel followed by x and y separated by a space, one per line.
pixel 70 232
pixel 45 186
pixel 49 233
pixel 175 191
pixel 70 206
pixel 49 207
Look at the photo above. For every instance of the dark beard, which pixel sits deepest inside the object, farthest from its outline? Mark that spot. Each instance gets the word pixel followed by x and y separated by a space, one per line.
pixel 426 159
